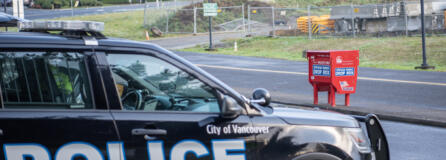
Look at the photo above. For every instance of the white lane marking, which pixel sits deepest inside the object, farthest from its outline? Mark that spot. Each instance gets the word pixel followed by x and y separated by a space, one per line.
pixel 249 69
pixel 303 73
pixel 402 81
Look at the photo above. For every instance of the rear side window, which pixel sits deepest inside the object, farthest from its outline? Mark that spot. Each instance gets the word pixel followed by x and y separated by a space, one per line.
pixel 46 80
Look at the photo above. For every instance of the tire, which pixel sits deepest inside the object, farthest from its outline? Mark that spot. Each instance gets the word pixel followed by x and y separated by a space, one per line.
pixel 316 156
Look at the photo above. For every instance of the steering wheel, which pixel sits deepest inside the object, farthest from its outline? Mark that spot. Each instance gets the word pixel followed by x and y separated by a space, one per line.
pixel 137 101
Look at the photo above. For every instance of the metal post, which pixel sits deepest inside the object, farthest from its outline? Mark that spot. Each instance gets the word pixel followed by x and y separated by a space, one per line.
pixel 243 18
pixel 15 9
pixel 309 22
pixel 315 94
pixel 405 19
pixel 145 14
pixel 72 9
pixel 4 6
pixel 423 39
pixel 210 35
pixel 249 20
pixel 433 22
pixel 274 24
pixel 167 21
pixel 195 20
pixel 21 9
pixel 4 10
pixel 353 20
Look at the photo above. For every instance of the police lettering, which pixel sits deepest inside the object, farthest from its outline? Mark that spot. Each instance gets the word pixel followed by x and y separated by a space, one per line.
pixel 116 151
pixel 235 129
pixel 211 129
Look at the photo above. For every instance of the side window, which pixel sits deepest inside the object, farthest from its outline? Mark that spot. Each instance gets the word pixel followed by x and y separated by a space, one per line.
pixel 48 80
pixel 150 84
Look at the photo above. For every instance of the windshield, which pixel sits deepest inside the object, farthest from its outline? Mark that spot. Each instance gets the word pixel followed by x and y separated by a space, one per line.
pixel 161 78
pixel 141 76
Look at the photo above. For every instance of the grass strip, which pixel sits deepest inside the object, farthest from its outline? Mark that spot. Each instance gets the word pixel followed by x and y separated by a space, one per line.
pixel 401 53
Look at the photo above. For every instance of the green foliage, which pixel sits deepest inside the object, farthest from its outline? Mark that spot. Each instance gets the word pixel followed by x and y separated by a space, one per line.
pixel 49 4
pixel 45 4
pixel 126 25
pixel 59 3
pixel 90 3
pixel 115 1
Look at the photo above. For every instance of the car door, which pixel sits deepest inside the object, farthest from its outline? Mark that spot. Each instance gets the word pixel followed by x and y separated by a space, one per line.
pixel 168 113
pixel 50 108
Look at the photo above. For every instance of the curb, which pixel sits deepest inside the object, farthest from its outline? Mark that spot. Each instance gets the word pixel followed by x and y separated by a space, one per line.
pixel 185 46
pixel 382 116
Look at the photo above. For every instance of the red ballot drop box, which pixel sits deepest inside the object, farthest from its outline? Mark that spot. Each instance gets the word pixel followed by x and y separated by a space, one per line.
pixel 333 71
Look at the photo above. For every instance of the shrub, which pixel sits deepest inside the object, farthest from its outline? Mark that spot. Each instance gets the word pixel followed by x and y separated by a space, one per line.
pixel 45 4
pixel 115 1
pixel 60 3
pixel 90 3
pixel 48 4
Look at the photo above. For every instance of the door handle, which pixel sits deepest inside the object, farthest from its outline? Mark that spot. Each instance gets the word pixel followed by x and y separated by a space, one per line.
pixel 1 132
pixel 151 132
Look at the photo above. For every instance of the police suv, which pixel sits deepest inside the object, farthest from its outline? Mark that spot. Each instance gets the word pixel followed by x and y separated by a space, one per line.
pixel 70 93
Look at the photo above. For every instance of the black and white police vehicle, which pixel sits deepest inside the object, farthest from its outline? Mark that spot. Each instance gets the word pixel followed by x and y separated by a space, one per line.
pixel 70 93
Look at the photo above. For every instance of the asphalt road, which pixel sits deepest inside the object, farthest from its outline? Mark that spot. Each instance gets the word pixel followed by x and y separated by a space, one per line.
pixel 410 93
pixel 411 141
pixel 32 14
pixel 415 142
pixel 378 89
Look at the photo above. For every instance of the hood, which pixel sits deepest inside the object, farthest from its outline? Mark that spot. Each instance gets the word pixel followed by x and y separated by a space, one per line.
pixel 314 117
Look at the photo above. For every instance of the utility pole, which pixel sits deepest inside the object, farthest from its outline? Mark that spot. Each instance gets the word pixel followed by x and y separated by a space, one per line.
pixel 423 39
pixel 72 9
pixel 4 6
pixel 4 9
pixel 210 10
pixel 17 8
pixel 211 48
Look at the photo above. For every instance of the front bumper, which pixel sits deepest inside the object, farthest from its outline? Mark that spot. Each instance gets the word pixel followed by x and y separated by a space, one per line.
pixel 377 137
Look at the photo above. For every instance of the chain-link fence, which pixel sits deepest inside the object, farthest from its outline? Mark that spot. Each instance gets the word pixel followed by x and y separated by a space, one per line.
pixel 260 20
pixel 164 15
pixel 190 19
pixel 372 20
pixel 228 19
pixel 286 21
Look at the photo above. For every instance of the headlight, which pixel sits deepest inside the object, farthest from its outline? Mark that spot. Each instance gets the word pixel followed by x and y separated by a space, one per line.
pixel 359 139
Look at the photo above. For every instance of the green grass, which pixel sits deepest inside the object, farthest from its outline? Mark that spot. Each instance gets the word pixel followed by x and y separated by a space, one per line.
pixel 402 53
pixel 128 25
pixel 10 29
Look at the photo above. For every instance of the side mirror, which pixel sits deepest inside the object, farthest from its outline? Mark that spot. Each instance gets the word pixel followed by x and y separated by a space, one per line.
pixel 261 96
pixel 229 108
